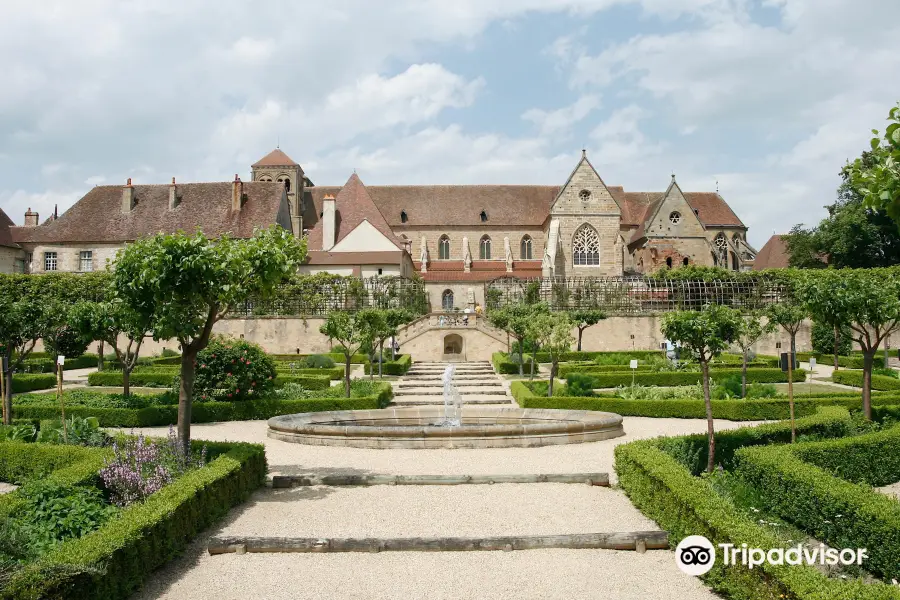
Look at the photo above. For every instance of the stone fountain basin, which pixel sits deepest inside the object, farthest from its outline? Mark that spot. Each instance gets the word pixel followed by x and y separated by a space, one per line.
pixel 416 427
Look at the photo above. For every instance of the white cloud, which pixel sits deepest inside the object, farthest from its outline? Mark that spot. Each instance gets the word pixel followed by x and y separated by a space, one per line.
pixel 563 119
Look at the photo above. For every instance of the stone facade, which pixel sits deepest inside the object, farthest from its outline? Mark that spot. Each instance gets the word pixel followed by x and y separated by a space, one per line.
pixel 68 257
pixel 11 260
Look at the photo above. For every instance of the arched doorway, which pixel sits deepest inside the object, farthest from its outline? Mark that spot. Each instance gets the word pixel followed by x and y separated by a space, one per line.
pixel 453 347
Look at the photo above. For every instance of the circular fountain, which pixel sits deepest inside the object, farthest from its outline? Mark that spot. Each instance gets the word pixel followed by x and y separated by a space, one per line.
pixel 424 427
pixel 449 426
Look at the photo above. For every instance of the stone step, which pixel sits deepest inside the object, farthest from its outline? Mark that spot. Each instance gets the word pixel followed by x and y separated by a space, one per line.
pixel 438 401
pixel 433 392
pixel 439 384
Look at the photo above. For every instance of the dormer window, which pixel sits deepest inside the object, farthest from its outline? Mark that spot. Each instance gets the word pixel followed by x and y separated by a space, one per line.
pixel 483 217
pixel 403 216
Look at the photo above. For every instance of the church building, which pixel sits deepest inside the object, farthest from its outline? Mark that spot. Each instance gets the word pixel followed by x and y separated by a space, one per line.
pixel 455 237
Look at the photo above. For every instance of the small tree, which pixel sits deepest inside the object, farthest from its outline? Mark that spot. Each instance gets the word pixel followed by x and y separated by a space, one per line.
pixel 107 322
pixel 752 330
pixel 394 318
pixel 705 334
pixel 187 283
pixel 499 318
pixel 376 330
pixel 553 332
pixel 790 316
pixel 350 332
pixel 584 318
pixel 516 318
pixel 876 175
pixel 867 299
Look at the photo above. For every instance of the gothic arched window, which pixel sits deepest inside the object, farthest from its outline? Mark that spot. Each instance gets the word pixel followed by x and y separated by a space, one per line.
pixel 484 251
pixel 525 252
pixel 586 246
pixel 721 242
pixel 447 300
pixel 444 248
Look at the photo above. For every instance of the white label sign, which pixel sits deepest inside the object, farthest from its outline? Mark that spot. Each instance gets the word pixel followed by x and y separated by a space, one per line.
pixel 634 363
pixel 60 360
pixel 812 363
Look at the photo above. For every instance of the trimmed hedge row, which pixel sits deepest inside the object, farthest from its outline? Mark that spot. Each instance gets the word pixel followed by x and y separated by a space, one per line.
pixel 605 379
pixel 872 459
pixel 694 408
pixel 165 378
pixel 504 366
pixel 839 512
pixel 207 412
pixel 27 382
pixel 855 378
pixel 114 560
pixel 337 357
pixel 880 413
pixel 48 365
pixel 854 361
pixel 334 374
pixel 391 367
pixel 664 490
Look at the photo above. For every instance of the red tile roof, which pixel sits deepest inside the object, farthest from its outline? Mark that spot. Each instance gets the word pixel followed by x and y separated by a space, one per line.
pixel 98 217
pixel 353 205
pixel 6 224
pixel 712 209
pixel 773 255
pixel 275 158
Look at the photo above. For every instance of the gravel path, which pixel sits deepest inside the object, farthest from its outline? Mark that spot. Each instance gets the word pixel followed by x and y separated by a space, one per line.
pixel 290 459
pixel 440 511
pixel 6 488
pixel 891 490
pixel 533 574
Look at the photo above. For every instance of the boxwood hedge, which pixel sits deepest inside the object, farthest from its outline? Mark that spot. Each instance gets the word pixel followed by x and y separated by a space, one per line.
pixel 27 382
pixel 48 365
pixel 682 504
pixel 164 377
pixel 804 484
pixel 606 379
pixel 855 378
pixel 114 560
pixel 391 367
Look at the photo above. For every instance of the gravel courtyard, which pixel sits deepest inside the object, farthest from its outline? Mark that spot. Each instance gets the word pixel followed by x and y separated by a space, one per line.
pixel 406 511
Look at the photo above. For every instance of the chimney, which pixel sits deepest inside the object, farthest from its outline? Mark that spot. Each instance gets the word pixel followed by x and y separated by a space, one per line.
pixel 328 222
pixel 127 197
pixel 31 218
pixel 173 196
pixel 237 194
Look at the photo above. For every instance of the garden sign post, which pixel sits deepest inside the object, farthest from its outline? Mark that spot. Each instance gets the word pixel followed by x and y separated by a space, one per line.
pixel 60 361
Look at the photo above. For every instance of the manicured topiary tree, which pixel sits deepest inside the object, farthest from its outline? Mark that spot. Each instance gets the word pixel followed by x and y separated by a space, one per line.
pixel 867 299
pixel 789 315
pixel 109 322
pixel 752 330
pixel 553 332
pixel 705 334
pixel 584 318
pixel 187 283
pixel 350 332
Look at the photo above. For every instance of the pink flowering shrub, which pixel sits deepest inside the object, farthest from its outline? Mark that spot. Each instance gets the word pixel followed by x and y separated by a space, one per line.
pixel 141 467
pixel 230 369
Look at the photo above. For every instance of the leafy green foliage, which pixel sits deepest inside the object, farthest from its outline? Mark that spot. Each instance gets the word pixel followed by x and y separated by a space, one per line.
pixel 66 341
pixel 607 379
pixel 579 385
pixel 234 370
pixel 728 387
pixel 704 334
pixel 761 390
pixel 876 177
pixel 823 338
pixel 855 378
pixel 79 432
pixel 318 361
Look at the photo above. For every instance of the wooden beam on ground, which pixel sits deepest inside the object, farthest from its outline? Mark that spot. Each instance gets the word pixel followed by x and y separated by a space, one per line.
pixel 340 479
pixel 632 540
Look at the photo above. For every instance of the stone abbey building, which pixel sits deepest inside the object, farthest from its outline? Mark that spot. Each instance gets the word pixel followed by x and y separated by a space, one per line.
pixel 456 237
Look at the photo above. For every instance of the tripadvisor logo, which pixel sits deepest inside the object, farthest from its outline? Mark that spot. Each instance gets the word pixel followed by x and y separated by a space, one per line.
pixel 696 555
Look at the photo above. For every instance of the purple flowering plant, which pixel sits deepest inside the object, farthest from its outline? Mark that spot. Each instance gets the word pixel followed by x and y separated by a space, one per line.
pixel 141 467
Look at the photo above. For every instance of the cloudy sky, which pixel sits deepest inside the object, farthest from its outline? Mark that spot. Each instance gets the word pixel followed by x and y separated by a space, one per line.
pixel 767 97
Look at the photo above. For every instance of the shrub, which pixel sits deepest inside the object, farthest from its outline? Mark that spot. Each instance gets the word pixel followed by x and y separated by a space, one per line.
pixel 761 390
pixel 318 361
pixel 396 367
pixel 79 432
pixel 886 372
pixel 66 341
pixel 855 378
pixel 48 365
pixel 138 378
pixel 27 382
pixel 233 369
pixel 579 385
pixel 604 379
pixel 727 387
pixel 823 339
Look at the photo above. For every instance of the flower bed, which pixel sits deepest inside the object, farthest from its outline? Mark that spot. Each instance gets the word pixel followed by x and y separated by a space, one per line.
pixel 113 560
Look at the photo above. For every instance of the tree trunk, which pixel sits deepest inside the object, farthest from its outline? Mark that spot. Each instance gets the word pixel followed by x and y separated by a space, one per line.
pixel 580 331
pixel 744 375
pixel 552 376
pixel 126 381
pixel 868 362
pixel 381 354
pixel 521 359
pixel 533 360
pixel 347 374
pixel 791 391
pixel 7 392
pixel 837 345
pixel 710 430
pixel 185 397
pixel 100 350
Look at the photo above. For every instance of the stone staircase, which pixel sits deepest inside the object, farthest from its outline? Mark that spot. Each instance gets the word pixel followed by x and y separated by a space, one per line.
pixel 476 381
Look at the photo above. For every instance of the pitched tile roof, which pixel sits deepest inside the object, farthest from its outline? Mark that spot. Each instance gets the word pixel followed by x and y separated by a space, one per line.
pixel 97 217
pixel 275 158
pixel 353 205
pixel 712 209
pixel 773 255
pixel 6 224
